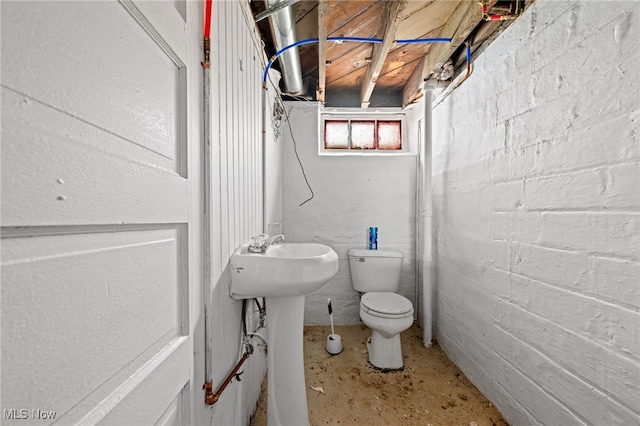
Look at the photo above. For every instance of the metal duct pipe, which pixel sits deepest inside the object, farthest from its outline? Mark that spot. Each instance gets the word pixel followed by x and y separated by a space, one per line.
pixel 284 33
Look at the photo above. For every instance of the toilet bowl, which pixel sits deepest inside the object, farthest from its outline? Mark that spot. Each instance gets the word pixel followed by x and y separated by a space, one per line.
pixel 387 315
pixel 376 275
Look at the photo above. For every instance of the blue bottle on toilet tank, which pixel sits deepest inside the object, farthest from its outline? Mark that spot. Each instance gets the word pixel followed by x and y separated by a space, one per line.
pixel 373 238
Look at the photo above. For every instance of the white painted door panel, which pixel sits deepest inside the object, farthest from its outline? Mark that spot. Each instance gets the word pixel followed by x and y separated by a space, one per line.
pixel 95 213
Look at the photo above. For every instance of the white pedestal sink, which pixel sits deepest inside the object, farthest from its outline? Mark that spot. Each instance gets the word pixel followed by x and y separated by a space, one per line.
pixel 283 275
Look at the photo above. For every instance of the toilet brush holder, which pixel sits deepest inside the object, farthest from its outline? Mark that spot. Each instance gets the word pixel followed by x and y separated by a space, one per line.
pixel 334 341
pixel 334 344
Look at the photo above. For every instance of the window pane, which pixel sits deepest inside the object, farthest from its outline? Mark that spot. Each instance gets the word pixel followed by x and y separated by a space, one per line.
pixel 363 134
pixel 336 134
pixel 389 135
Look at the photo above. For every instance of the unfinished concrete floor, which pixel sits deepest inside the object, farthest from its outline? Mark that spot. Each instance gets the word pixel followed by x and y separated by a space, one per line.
pixel 344 389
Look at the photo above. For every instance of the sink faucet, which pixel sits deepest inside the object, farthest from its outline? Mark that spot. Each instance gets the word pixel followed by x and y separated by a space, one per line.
pixel 276 239
pixel 259 243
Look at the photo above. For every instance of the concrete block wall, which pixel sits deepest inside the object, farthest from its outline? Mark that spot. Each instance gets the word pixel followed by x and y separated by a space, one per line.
pixel 351 194
pixel 536 217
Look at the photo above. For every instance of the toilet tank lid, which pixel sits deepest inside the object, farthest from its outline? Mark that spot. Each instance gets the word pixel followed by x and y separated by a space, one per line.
pixel 374 253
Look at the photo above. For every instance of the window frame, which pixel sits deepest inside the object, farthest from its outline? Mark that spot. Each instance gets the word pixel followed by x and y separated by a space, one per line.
pixel 366 115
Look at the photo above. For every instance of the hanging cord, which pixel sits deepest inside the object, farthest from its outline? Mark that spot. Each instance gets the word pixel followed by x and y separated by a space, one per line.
pixel 278 99
pixel 293 138
pixel 295 150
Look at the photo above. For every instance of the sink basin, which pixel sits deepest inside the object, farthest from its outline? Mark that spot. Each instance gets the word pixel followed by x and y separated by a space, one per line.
pixel 287 269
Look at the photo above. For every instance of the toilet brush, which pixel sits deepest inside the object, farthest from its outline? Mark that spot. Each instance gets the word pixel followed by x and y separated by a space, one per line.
pixel 334 341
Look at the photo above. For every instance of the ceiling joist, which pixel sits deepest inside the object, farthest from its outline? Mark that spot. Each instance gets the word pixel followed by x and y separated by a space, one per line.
pixel 387 32
pixel 322 50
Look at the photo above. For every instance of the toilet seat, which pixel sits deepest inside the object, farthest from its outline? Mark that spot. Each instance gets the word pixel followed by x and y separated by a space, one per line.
pixel 386 305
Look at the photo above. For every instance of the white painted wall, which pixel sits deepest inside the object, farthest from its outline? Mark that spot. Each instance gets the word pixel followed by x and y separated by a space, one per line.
pixel 237 67
pixel 102 209
pixel 536 199
pixel 351 194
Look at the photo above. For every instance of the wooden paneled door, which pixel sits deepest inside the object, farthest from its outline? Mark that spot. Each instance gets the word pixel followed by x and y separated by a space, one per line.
pixel 96 196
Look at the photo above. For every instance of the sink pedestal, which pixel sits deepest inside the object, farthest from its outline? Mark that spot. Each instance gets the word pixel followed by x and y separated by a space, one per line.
pixel 286 393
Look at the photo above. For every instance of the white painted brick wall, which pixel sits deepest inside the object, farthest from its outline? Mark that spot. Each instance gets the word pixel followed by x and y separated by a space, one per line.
pixel 536 217
pixel 351 194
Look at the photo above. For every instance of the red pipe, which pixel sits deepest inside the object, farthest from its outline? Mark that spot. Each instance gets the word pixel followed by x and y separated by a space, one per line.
pixel 207 18
pixel 206 43
pixel 487 17
pixel 499 17
pixel 210 397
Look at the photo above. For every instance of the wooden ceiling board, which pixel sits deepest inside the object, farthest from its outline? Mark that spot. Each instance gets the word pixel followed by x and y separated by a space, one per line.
pixel 400 63
pixel 306 15
pixel 349 80
pixel 396 78
pixel 309 59
pixel 427 19
pixel 335 51
pixel 345 64
pixel 415 5
pixel 402 54
pixel 402 60
pixel 303 8
pixel 364 25
pixel 340 12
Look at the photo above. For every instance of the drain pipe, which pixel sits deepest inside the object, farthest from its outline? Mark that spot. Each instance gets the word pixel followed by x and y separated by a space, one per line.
pixel 418 224
pixel 265 122
pixel 426 218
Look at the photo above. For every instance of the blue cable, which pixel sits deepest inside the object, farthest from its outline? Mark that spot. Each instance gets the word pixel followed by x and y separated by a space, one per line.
pixel 354 39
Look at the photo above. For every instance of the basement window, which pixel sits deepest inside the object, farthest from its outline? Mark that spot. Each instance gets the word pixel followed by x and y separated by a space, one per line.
pixel 362 135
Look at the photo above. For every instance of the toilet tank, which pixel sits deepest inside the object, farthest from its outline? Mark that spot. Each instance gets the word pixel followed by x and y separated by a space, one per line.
pixel 375 270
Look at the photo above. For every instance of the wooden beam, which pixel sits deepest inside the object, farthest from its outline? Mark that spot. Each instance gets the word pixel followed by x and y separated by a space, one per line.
pixel 322 50
pixel 379 51
pixel 463 20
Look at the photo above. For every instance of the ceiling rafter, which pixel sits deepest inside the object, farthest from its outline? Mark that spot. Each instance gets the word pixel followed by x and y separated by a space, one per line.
pixel 322 50
pixel 379 51
pixel 461 23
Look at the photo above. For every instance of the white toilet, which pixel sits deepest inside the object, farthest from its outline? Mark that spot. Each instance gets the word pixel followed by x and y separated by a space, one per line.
pixel 376 273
